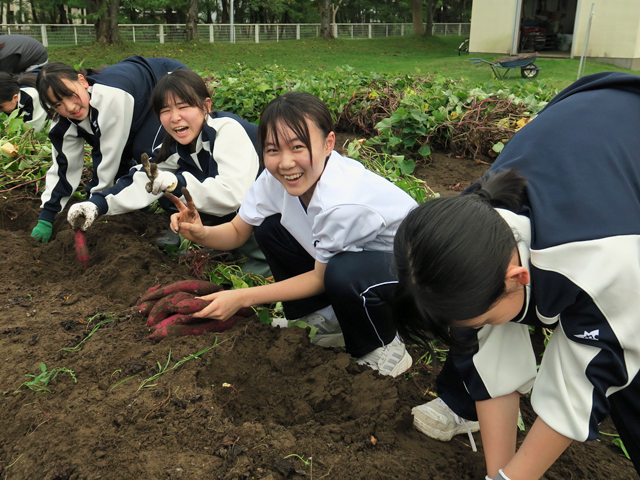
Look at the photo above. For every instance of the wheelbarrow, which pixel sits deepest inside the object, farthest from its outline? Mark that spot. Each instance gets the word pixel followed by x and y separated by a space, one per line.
pixel 524 62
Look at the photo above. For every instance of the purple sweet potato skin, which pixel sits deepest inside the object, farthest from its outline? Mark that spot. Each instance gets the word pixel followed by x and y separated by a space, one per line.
pixel 197 329
pixel 195 287
pixel 162 308
pixel 190 305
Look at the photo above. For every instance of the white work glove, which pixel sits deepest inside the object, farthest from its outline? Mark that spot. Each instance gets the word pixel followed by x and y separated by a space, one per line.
pixel 160 181
pixel 163 182
pixel 81 215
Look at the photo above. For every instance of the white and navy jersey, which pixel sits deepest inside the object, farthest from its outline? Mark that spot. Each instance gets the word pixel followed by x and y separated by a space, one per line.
pixel 29 106
pixel 352 209
pixel 120 127
pixel 217 174
pixel 580 231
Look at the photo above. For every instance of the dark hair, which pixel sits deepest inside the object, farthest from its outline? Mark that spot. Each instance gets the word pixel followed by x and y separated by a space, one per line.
pixel 292 110
pixel 10 84
pixel 452 255
pixel 185 85
pixel 51 76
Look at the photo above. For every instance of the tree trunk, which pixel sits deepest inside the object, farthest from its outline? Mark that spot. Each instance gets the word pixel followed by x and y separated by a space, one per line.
pixel 325 18
pixel 63 14
pixel 169 16
pixel 192 20
pixel 105 14
pixel 209 13
pixel 431 7
pixel 224 11
pixel 334 10
pixel 34 13
pixel 416 13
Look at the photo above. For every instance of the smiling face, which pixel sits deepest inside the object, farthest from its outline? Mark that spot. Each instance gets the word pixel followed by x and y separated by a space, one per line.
pixel 74 106
pixel 183 121
pixel 292 163
pixel 9 106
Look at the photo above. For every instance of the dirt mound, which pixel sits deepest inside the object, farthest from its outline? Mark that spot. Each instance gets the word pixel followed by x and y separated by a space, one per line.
pixel 262 403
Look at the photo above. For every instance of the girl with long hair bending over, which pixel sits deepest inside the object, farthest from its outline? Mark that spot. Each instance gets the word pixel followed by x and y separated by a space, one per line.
pixel 551 238
pixel 326 226
pixel 214 154
pixel 110 110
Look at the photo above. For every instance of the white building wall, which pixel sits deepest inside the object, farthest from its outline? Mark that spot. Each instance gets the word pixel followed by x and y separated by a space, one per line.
pixel 615 32
pixel 492 26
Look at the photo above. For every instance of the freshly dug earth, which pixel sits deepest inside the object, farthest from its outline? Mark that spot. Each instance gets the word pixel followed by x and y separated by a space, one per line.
pixel 262 404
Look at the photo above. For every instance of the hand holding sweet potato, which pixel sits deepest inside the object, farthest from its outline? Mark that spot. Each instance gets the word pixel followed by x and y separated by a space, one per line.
pixel 172 309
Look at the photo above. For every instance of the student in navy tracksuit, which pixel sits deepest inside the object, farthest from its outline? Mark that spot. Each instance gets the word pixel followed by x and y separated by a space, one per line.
pixel 21 53
pixel 20 92
pixel 111 111
pixel 550 237
pixel 326 227
pixel 213 154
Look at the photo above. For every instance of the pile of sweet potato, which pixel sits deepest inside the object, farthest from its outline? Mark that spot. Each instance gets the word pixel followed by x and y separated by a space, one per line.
pixel 170 310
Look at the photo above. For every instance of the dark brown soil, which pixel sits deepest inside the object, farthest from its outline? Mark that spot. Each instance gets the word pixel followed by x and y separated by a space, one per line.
pixel 289 401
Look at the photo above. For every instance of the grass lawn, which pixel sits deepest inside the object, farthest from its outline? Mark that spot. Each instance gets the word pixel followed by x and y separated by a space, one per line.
pixel 393 55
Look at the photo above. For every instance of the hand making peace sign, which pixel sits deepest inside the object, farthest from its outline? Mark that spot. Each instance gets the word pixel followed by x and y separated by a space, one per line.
pixel 187 221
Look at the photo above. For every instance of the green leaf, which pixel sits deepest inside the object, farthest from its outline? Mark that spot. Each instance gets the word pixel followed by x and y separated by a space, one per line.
pixel 393 141
pixel 264 317
pixel 407 166
pixel 618 442
pixel 384 124
pixel 498 147
pixel 425 150
pixel 409 142
pixel 238 282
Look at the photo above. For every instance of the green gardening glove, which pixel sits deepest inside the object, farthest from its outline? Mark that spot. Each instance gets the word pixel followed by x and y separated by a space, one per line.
pixel 42 231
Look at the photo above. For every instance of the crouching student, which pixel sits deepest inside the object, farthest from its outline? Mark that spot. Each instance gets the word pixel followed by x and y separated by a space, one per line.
pixel 550 237
pixel 20 92
pixel 110 110
pixel 326 226
pixel 214 154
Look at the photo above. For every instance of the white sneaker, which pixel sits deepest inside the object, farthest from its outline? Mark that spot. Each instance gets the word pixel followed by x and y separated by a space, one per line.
pixel 392 359
pixel 436 420
pixel 329 333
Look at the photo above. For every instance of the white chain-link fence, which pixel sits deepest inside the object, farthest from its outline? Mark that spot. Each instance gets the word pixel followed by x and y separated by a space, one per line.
pixel 60 35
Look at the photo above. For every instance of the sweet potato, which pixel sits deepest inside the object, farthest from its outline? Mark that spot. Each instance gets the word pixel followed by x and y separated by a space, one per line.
pixel 148 293
pixel 189 305
pixel 197 329
pixel 82 251
pixel 144 308
pixel 178 319
pixel 246 312
pixel 162 308
pixel 179 302
pixel 195 287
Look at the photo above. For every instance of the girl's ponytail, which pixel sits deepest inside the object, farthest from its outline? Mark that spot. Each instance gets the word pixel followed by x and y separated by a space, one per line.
pixel 502 190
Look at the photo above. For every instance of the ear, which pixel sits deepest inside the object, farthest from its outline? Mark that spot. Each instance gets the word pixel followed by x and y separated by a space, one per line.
pixel 517 273
pixel 329 143
pixel 83 81
pixel 207 106
pixel 15 98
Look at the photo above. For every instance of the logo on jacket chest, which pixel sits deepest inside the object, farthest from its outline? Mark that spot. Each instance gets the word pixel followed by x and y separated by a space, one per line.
pixel 593 335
